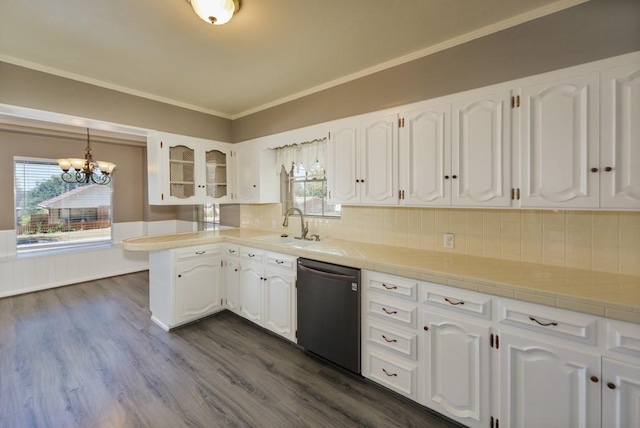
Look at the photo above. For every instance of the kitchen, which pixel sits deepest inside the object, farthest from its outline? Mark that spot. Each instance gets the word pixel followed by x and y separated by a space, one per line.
pixel 544 237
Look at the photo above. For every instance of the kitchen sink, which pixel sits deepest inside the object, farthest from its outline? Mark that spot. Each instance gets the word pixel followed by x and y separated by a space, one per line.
pixel 286 240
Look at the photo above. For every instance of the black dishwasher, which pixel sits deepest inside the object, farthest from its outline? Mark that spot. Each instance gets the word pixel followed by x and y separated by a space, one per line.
pixel 329 312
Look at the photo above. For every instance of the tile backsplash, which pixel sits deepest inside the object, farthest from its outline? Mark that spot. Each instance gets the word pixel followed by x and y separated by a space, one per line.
pixel 607 241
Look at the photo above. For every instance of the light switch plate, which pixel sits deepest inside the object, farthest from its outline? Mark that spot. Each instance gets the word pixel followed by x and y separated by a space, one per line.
pixel 448 240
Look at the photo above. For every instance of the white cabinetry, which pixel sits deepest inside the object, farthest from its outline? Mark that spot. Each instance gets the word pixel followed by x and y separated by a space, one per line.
pixel 232 277
pixel 559 143
pixel 543 385
pixel 185 284
pixel 363 159
pixel 620 137
pixel 620 394
pixel 481 151
pixel 186 170
pixel 257 178
pixel 267 288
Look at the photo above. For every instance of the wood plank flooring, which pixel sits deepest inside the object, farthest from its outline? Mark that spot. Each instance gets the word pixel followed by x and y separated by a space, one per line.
pixel 88 355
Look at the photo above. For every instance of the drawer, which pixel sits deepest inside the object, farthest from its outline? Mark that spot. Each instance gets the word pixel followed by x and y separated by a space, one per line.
pixel 251 254
pixel 391 339
pixel 281 261
pixel 199 251
pixel 623 338
pixel 393 373
pixel 460 301
pixel 391 285
pixel 551 321
pixel 392 311
pixel 232 250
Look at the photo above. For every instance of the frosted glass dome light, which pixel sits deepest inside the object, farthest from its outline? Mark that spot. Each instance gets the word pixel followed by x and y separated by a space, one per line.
pixel 216 12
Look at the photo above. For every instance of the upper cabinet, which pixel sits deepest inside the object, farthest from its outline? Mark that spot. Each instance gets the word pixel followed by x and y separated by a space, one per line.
pixel 186 170
pixel 363 161
pixel 620 138
pixel 256 178
pixel 481 151
pixel 559 139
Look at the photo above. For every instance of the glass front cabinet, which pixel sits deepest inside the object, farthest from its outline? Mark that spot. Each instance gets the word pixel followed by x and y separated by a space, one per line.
pixel 187 170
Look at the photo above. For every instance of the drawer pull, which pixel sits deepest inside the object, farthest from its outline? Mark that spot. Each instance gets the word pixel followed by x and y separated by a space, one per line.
pixel 544 324
pixel 451 302
pixel 251 255
pixel 389 312
pixel 594 379
pixel 231 251
pixel 389 287
pixel 279 262
pixel 389 374
pixel 610 385
pixel 389 340
pixel 200 252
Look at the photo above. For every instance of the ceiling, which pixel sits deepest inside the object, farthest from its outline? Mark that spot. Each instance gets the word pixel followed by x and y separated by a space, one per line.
pixel 270 52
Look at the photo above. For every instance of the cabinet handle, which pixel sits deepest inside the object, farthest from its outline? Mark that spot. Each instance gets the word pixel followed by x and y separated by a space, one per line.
pixel 388 340
pixel 200 252
pixel 389 312
pixel 608 169
pixel 357 180
pixel 392 287
pixel 425 328
pixel 446 177
pixel 279 262
pixel 362 181
pixel 251 255
pixel 594 379
pixel 518 193
pixel 389 374
pixel 543 323
pixel 611 385
pixel 594 169
pixel 451 302
pixel 235 270
pixel 454 176
pixel 179 276
pixel 231 251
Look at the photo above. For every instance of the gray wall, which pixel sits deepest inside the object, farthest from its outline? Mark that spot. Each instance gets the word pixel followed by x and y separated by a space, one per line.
pixel 594 30
pixel 24 87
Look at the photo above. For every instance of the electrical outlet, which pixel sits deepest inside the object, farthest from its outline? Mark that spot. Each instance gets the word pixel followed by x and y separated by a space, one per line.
pixel 448 240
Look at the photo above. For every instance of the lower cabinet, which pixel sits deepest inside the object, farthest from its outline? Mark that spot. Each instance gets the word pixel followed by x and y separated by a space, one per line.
pixel 267 290
pixel 542 385
pixel 485 361
pixel 456 378
pixel 232 279
pixel 185 284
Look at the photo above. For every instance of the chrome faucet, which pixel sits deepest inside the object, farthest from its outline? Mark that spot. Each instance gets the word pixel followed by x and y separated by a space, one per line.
pixel 304 226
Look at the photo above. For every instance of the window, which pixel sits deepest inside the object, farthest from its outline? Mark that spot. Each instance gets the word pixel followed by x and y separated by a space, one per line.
pixel 53 214
pixel 208 216
pixel 307 190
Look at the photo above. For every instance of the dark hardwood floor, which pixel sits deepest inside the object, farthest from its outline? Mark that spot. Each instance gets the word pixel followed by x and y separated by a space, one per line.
pixel 88 355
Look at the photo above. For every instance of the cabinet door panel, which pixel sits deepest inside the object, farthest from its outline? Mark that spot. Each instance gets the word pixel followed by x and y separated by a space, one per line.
pixel 620 394
pixel 547 386
pixel 456 358
pixel 620 148
pixel 342 157
pixel 232 275
pixel 481 151
pixel 425 145
pixel 246 166
pixel 378 158
pixel 251 292
pixel 560 143
pixel 197 288
pixel 279 303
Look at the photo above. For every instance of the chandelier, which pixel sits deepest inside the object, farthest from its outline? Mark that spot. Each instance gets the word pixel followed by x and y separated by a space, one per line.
pixel 86 170
pixel 216 12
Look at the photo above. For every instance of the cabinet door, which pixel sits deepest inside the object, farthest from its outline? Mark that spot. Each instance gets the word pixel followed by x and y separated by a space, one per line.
pixel 232 283
pixel 620 394
pixel 251 289
pixel 378 161
pixel 425 156
pixel 216 176
pixel 456 375
pixel 342 160
pixel 547 386
pixel 247 167
pixel 198 288
pixel 180 162
pixel 560 143
pixel 278 303
pixel 620 147
pixel 481 151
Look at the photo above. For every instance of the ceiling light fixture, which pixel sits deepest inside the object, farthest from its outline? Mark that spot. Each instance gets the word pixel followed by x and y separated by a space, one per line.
pixel 86 169
pixel 216 12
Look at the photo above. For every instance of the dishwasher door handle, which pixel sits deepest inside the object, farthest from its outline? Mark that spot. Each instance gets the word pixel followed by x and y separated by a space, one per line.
pixel 330 275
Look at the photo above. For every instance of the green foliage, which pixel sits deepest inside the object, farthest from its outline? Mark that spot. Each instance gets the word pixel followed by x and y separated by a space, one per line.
pixel 45 190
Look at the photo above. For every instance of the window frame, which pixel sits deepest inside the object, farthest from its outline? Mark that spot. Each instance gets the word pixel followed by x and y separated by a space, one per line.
pixel 55 247
pixel 292 179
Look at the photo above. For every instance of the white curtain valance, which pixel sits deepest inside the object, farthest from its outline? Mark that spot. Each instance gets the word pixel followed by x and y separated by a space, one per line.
pixel 304 154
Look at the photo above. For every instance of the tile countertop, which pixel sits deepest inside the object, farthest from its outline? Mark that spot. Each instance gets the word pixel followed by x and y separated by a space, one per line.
pixel 597 293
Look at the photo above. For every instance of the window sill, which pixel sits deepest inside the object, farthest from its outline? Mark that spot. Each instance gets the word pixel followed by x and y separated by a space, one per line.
pixel 25 254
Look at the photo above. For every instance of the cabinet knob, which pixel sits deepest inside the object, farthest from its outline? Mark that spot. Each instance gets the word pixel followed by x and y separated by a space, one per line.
pixel 254 185
pixel 594 169
pixel 362 181
pixel 454 176
pixel 446 177
pixel 425 328
pixel 179 276
pixel 594 379
pixel 357 180
pixel 611 385
pixel 608 169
